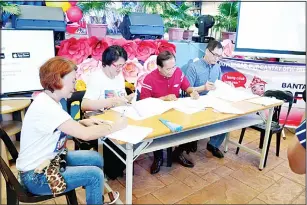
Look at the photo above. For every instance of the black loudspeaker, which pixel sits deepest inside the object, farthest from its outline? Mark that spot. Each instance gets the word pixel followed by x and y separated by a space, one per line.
pixel 41 17
pixel 142 26
pixel 204 23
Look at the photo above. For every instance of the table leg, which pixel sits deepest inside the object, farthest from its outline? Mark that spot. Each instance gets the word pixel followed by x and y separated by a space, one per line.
pixel 129 172
pixel 226 142
pixel 22 114
pixel 266 138
pixel 283 134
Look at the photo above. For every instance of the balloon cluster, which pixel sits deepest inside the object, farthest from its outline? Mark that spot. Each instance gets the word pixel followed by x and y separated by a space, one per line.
pixel 73 13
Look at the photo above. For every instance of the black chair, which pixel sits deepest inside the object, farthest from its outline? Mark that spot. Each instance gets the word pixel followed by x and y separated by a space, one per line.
pixel 14 191
pixel 276 128
pixel 76 97
pixel 80 144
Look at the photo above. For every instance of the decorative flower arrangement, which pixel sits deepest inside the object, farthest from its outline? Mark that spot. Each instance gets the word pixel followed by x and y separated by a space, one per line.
pixel 87 53
pixel 131 70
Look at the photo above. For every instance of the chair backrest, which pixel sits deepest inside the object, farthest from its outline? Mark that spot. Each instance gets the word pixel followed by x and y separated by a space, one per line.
pixel 11 180
pixel 76 96
pixel 286 96
pixel 9 144
pixel 9 177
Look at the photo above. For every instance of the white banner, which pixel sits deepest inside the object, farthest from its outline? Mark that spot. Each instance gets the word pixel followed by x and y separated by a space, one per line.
pixel 260 76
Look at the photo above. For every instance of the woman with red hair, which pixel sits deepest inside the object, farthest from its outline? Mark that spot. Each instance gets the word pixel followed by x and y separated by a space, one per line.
pixel 44 132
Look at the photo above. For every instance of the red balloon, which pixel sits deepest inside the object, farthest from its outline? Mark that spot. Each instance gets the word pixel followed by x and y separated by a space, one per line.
pixel 73 3
pixel 74 14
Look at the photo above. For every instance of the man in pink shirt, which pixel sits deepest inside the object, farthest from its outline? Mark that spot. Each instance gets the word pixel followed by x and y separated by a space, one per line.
pixel 165 83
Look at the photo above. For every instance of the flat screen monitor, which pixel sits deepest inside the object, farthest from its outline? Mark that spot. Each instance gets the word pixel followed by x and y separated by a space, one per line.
pixel 22 54
pixel 272 29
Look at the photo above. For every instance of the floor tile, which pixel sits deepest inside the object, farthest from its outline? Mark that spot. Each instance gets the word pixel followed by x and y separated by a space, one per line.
pixel 147 199
pixel 282 192
pixel 253 178
pixel 195 182
pixel 166 179
pixel 301 199
pixel 226 190
pixel 202 168
pixel 256 201
pixel 273 175
pixel 145 185
pixel 211 177
pixel 181 173
pixel 235 179
pixel 117 186
pixel 286 172
pixel 222 171
pixel 173 193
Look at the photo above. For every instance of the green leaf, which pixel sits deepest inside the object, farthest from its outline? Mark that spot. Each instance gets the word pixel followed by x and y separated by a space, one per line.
pixel 90 5
pixel 227 18
pixel 10 8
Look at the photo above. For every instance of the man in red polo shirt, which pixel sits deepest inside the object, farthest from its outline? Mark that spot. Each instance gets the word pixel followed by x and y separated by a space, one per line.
pixel 165 83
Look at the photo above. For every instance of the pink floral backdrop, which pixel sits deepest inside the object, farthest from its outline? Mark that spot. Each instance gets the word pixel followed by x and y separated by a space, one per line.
pixel 87 53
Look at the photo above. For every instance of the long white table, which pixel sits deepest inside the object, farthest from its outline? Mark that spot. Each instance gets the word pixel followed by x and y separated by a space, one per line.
pixel 194 129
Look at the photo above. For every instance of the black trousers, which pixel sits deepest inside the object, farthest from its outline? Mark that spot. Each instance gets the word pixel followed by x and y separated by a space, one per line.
pixel 181 148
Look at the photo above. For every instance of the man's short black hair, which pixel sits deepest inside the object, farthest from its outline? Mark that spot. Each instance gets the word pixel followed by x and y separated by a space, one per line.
pixel 112 54
pixel 214 44
pixel 164 56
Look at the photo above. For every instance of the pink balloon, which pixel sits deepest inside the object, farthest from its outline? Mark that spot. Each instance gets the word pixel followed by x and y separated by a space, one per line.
pixel 73 3
pixel 74 14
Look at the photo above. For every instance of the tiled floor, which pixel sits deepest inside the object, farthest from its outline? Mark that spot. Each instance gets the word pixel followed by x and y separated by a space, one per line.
pixel 232 180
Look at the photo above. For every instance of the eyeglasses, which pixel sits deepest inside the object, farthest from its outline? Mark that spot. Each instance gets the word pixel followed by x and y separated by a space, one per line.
pixel 215 55
pixel 119 65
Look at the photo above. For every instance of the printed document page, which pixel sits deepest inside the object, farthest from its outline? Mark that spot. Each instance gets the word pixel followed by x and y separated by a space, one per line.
pixel 131 134
pixel 143 109
pixel 265 101
pixel 226 92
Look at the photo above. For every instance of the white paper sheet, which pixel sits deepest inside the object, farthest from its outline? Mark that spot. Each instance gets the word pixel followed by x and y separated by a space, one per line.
pixel 226 107
pixel 131 134
pixel 143 109
pixel 5 107
pixel 265 101
pixel 188 105
pixel 226 92
pixel 220 105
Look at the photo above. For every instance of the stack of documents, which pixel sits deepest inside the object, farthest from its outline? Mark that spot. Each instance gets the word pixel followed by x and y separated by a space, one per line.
pixel 143 109
pixel 226 92
pixel 265 101
pixel 188 105
pixel 131 134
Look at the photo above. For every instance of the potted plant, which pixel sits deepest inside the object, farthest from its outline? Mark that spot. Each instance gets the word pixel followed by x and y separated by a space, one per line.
pixel 154 7
pixel 6 10
pixel 97 12
pixel 189 21
pixel 226 20
pixel 175 18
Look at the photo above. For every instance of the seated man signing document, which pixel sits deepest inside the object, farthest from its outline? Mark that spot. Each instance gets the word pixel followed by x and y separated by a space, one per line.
pixel 165 83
